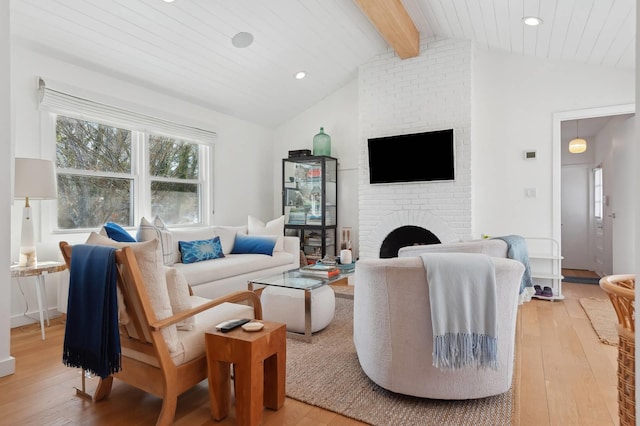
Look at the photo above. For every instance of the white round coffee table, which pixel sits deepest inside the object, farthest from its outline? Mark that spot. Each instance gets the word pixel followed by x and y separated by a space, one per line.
pixel 287 305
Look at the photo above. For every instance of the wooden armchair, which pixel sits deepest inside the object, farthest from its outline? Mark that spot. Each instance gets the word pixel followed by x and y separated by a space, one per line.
pixel 147 362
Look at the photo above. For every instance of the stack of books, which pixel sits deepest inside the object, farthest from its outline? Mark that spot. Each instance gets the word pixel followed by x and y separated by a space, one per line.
pixel 297 216
pixel 320 270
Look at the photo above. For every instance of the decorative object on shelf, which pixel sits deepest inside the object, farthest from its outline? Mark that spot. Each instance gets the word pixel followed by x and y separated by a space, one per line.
pixel 35 179
pixel 299 153
pixel 322 143
pixel 577 145
pixel 328 260
pixel 345 244
pixel 345 256
pixel 346 268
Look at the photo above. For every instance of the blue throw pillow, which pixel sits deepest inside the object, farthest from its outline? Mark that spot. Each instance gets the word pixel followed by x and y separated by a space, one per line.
pixel 118 233
pixel 255 244
pixel 197 251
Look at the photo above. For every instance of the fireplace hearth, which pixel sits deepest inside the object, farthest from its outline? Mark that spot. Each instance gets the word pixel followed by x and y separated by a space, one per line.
pixel 405 236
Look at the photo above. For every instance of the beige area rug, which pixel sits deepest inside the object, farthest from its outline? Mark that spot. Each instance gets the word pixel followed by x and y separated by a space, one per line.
pixel 345 291
pixel 327 374
pixel 603 319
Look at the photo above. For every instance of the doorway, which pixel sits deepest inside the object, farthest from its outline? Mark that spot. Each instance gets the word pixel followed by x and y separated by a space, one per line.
pixel 585 242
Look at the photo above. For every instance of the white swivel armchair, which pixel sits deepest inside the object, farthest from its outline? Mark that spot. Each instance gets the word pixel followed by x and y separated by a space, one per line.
pixel 393 335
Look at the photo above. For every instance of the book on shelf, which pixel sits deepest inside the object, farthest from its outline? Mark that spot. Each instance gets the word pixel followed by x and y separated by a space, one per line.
pixel 319 270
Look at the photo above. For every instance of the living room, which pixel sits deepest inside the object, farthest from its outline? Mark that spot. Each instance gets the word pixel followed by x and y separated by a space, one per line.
pixel 500 106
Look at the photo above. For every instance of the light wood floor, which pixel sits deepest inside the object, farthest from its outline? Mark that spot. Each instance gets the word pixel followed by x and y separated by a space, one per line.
pixel 567 377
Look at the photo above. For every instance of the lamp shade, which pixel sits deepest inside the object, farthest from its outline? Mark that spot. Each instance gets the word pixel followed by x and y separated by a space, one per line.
pixel 577 146
pixel 35 179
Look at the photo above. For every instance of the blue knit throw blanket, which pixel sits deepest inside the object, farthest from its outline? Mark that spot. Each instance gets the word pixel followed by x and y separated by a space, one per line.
pixel 517 250
pixel 92 339
pixel 462 294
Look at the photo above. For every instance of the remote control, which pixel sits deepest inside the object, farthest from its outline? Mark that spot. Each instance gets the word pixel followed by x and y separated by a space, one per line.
pixel 230 325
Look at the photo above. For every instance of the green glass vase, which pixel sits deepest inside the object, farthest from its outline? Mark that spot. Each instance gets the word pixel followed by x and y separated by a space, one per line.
pixel 322 143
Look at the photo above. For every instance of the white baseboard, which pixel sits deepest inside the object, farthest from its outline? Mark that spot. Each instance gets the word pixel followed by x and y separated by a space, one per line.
pixel 33 318
pixel 7 366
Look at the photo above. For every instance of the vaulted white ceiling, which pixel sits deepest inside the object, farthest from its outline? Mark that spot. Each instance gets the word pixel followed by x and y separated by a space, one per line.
pixel 598 32
pixel 184 48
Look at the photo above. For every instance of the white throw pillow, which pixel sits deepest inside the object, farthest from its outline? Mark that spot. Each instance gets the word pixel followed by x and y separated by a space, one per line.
pixel 148 231
pixel 149 258
pixel 179 296
pixel 275 227
pixel 227 237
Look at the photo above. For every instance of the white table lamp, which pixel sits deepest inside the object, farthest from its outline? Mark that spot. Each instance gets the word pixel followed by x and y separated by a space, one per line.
pixel 35 179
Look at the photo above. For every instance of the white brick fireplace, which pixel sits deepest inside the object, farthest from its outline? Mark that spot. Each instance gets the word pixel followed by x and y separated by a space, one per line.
pixel 429 92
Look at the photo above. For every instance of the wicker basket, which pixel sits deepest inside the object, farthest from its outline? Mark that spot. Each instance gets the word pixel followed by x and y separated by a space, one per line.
pixel 621 291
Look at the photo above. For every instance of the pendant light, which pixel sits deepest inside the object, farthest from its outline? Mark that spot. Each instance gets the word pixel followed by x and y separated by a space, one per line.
pixel 577 144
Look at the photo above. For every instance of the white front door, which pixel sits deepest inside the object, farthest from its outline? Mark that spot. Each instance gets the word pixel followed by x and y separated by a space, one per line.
pixel 575 214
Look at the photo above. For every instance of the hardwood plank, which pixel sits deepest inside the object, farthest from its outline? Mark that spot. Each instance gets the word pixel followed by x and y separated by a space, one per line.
pixel 571 388
pixel 533 392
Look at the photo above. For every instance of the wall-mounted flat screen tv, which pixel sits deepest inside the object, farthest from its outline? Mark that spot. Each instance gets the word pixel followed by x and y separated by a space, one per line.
pixel 415 157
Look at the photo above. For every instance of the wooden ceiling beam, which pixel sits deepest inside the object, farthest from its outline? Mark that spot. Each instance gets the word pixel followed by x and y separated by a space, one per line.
pixel 394 25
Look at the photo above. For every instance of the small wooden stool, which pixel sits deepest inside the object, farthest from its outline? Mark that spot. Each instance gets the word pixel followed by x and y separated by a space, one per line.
pixel 259 360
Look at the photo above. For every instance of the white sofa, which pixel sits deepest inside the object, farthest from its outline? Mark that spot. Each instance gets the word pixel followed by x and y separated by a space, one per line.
pixel 393 335
pixel 218 277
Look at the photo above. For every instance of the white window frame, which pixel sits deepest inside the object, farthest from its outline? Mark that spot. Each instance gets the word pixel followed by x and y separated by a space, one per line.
pixel 141 198
pixel 59 98
pixel 598 194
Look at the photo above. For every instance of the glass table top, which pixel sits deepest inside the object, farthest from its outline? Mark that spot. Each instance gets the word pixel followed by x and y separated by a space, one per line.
pixel 294 279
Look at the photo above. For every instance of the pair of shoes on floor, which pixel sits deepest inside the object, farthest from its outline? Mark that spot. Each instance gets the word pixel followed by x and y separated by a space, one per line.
pixel 544 292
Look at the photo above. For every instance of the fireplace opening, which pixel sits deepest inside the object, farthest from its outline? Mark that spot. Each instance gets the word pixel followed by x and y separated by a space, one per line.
pixel 405 236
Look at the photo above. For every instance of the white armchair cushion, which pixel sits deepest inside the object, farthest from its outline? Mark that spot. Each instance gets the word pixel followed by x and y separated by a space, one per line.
pixel 192 342
pixel 179 296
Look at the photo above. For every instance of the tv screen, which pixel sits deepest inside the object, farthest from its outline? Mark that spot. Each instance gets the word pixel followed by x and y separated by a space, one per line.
pixel 412 158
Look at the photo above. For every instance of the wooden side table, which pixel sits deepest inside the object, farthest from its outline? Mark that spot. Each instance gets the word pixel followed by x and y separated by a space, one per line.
pixel 259 360
pixel 38 271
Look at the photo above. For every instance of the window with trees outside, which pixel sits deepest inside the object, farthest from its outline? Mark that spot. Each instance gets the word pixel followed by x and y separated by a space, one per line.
pixel 111 174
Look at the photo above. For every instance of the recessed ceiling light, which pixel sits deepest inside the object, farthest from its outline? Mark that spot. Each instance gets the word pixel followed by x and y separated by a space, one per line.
pixel 169 1
pixel 242 40
pixel 301 74
pixel 532 21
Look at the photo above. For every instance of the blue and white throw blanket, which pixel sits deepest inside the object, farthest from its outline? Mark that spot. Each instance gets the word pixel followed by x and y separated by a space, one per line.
pixel 517 250
pixel 462 293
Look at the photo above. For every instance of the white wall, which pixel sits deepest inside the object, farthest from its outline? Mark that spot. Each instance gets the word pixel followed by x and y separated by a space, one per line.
pixel 243 170
pixel 513 102
pixel 7 363
pixel 338 114
pixel 622 197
